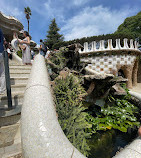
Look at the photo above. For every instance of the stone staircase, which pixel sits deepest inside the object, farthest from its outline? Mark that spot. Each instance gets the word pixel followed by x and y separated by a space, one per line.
pixel 10 137
pixel 19 77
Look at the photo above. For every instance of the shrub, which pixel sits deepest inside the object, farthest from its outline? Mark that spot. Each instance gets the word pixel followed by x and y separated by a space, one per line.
pixel 71 113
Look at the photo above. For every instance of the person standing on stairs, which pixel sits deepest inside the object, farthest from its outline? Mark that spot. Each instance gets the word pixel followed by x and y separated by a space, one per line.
pixel 26 56
pixel 2 69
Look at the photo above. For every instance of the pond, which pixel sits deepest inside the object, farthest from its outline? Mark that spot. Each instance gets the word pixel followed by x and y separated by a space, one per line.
pixel 106 144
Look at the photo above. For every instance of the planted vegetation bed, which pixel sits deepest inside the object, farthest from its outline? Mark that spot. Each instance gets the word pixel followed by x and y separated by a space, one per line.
pixel 95 130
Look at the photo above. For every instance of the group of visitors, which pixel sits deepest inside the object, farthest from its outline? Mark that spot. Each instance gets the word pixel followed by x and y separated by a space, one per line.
pixel 28 54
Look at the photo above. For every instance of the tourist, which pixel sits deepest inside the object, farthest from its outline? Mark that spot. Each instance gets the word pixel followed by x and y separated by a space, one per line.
pixel 9 50
pixel 32 54
pixel 42 49
pixel 47 54
pixel 2 69
pixel 26 56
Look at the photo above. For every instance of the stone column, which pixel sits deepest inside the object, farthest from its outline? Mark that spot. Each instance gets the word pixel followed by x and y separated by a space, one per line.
pixel 102 47
pixel 93 46
pixel 135 71
pixel 125 43
pixel 86 47
pixel 110 45
pixel 131 44
pixel 136 45
pixel 128 74
pixel 118 46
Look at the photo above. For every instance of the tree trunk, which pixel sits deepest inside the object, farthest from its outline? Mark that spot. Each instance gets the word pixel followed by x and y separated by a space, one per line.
pixel 28 25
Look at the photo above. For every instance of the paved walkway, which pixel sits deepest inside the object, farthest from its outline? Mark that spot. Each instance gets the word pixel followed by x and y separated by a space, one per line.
pixel 137 88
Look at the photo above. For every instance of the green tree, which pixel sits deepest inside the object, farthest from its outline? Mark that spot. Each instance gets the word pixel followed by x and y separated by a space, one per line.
pixel 27 12
pixel 53 36
pixel 131 26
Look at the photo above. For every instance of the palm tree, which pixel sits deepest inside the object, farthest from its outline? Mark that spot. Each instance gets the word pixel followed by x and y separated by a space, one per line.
pixel 27 12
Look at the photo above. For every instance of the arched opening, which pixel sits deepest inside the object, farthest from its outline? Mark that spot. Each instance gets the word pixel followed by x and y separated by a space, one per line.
pixel 121 73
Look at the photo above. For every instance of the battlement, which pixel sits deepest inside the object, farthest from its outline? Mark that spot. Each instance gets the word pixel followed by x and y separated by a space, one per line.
pixel 94 46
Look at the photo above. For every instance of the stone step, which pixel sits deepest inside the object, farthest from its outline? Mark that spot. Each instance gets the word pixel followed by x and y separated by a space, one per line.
pixel 11 141
pixel 19 66
pixel 17 99
pixel 18 87
pixel 19 74
pixel 23 70
pixel 19 80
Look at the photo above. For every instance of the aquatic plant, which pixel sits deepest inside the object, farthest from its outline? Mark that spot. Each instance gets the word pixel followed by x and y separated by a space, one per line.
pixel 117 113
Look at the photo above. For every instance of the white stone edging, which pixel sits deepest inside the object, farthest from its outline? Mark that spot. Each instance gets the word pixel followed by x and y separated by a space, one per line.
pixel 41 134
pixel 16 58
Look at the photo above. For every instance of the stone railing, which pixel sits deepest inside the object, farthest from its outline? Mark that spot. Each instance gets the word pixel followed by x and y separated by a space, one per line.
pixel 133 46
pixel 16 58
pixel 41 133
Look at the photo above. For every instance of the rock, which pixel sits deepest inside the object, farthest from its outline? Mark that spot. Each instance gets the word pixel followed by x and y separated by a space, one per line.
pixel 118 90
pixel 95 75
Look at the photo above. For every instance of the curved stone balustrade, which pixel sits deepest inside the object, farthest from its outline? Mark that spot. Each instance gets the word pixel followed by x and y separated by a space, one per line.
pixel 42 136
pixel 133 46
pixel 16 58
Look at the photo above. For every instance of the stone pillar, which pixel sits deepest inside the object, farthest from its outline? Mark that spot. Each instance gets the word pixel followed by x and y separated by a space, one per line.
pixel 86 47
pixel 118 46
pixel 135 72
pixel 102 47
pixel 136 45
pixel 110 45
pixel 128 74
pixel 93 46
pixel 131 44
pixel 125 44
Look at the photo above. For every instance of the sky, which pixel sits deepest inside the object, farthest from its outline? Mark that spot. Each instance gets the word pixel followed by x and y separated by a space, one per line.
pixel 75 18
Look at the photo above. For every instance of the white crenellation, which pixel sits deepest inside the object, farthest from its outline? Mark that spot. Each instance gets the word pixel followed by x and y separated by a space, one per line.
pixel 125 41
pixel 133 45
pixel 118 46
pixel 102 47
pixel 93 46
pixel 110 45
pixel 136 45
pixel 86 47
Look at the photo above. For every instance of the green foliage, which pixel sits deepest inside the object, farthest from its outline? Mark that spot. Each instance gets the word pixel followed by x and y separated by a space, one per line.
pixel 19 53
pixel 70 109
pixel 53 36
pixel 131 26
pixel 59 59
pixel 27 11
pixel 117 113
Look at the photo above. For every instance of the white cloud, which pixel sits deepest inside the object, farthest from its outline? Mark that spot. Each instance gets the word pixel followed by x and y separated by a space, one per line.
pixel 11 10
pixel 80 2
pixel 52 11
pixel 95 21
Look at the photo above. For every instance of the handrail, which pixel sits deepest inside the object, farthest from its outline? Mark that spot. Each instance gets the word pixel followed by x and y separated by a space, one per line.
pixel 41 134
pixel 7 77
